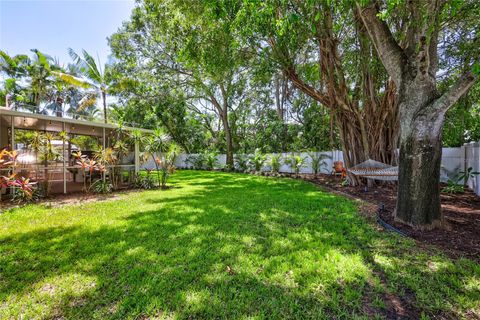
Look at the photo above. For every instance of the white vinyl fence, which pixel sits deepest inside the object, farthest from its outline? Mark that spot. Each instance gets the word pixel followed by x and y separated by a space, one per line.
pixel 453 161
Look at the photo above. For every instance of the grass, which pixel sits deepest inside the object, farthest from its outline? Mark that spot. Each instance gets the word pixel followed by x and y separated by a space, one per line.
pixel 221 245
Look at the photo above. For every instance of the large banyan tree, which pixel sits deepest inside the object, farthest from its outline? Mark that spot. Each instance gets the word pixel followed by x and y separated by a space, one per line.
pixel 324 50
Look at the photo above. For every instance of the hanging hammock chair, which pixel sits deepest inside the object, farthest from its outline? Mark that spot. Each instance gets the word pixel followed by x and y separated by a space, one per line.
pixel 372 169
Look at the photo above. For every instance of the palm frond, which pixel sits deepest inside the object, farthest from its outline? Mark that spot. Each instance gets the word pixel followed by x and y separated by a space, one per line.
pixel 70 79
pixel 6 62
pixel 93 71
pixel 42 58
pixel 75 57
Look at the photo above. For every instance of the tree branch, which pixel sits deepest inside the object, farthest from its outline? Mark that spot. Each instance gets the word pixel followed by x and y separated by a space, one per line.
pixel 389 51
pixel 456 91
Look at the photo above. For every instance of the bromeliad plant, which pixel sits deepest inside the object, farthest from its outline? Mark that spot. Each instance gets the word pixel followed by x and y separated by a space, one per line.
pixel 23 189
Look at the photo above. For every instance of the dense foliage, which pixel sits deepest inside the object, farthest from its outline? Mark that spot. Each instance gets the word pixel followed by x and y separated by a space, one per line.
pixel 242 75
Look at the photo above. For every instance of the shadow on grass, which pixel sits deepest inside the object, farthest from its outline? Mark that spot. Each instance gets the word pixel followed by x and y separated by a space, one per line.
pixel 227 246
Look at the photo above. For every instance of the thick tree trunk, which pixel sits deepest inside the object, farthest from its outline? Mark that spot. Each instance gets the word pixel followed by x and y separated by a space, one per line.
pixel 418 200
pixel 229 143
pixel 412 65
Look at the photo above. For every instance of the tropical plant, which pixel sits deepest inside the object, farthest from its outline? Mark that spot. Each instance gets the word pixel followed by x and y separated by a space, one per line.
pixel 23 188
pixel 166 163
pixel 467 174
pixel 144 181
pixel 84 164
pixel 241 162
pixel 211 159
pixel 275 162
pixel 24 191
pixel 197 161
pixel 98 78
pixel 460 180
pixel 453 187
pixel 258 160
pixel 155 144
pixel 317 161
pixel 101 186
pixel 296 163
pixel 46 153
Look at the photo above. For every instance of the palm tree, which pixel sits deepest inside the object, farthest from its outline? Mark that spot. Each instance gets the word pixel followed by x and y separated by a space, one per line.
pixel 96 76
pixel 156 143
pixel 36 73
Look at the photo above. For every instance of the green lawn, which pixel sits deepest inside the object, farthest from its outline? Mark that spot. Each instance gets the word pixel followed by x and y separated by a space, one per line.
pixel 221 245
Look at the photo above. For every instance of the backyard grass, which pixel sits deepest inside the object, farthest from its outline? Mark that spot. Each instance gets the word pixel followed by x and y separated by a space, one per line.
pixel 221 245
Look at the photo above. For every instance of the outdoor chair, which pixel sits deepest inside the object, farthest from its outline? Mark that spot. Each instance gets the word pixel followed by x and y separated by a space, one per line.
pixel 339 169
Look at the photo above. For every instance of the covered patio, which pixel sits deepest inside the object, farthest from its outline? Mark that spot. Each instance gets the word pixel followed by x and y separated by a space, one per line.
pixel 63 175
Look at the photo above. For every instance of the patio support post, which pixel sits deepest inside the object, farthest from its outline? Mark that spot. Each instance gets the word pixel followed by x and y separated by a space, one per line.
pixel 104 144
pixel 64 163
pixel 12 144
pixel 137 157
pixel 12 137
pixel 1 146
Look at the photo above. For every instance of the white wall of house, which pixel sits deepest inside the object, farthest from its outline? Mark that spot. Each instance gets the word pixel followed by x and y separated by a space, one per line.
pixel 453 161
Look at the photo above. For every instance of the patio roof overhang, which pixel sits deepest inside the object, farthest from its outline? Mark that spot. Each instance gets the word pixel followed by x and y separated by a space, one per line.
pixel 33 121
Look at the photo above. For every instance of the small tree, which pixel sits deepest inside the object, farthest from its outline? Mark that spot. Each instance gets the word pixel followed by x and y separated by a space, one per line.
pixel 155 144
pixel 275 162
pixel 241 162
pixel 258 160
pixel 296 163
pixel 317 161
pixel 211 159
pixel 166 163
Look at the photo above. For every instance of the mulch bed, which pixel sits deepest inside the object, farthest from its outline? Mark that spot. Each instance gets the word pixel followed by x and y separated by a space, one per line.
pixel 459 237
